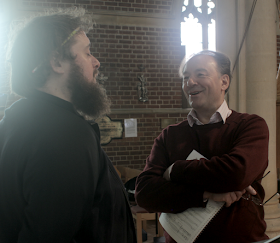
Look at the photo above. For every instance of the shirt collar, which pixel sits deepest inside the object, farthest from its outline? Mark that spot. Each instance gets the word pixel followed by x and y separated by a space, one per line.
pixel 220 115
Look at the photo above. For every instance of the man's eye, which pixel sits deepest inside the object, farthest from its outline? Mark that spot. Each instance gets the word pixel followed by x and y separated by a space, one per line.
pixel 89 54
pixel 200 75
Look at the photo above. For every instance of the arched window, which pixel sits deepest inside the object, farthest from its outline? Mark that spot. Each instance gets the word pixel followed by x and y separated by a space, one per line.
pixel 198 29
pixel 198 26
pixel 4 87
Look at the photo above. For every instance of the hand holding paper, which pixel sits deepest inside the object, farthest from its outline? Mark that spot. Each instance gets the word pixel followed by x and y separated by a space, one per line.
pixel 186 226
pixel 229 197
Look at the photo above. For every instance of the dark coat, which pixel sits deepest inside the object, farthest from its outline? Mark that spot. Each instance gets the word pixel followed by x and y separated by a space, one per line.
pixel 56 183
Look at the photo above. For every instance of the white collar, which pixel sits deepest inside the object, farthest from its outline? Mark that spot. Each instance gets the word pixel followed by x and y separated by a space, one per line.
pixel 221 114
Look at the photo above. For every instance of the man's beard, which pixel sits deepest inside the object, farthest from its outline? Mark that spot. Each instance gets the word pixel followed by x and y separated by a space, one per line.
pixel 89 98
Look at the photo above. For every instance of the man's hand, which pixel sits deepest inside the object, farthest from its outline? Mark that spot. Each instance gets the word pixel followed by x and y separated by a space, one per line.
pixel 228 197
pixel 251 190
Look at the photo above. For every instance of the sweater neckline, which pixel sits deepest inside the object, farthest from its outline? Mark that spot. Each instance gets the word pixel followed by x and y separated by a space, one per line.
pixel 217 124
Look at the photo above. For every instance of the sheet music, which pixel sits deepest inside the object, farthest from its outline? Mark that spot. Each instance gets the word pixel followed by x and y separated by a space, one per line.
pixel 186 226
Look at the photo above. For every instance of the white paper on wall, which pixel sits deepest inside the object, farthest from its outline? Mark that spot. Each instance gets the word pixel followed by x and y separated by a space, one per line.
pixel 130 127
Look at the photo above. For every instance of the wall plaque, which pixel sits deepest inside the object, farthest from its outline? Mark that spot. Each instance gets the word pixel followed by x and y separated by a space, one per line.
pixel 109 129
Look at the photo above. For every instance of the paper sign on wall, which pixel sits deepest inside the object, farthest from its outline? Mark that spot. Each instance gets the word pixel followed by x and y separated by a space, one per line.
pixel 130 127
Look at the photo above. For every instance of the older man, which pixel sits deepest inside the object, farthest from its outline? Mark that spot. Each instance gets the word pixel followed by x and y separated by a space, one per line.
pixel 235 145
pixel 56 183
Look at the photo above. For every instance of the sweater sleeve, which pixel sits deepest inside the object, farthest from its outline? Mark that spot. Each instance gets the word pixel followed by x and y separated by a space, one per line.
pixel 156 194
pixel 58 185
pixel 245 162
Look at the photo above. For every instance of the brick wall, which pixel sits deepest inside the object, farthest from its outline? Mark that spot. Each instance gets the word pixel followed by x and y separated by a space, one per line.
pixel 132 6
pixel 133 152
pixel 278 51
pixel 120 50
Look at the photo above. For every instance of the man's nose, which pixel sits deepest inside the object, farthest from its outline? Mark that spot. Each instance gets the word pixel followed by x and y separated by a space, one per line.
pixel 191 82
pixel 95 63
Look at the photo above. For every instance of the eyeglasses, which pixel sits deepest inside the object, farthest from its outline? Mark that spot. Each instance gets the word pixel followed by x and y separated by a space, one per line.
pixel 247 196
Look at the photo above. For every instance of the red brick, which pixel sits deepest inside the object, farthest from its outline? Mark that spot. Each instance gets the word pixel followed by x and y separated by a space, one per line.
pixel 138 5
pixel 110 3
pixel 97 2
pixel 138 33
pixel 164 7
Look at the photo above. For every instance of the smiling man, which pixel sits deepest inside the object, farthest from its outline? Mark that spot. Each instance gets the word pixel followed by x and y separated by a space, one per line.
pixel 56 183
pixel 235 145
pixel 204 86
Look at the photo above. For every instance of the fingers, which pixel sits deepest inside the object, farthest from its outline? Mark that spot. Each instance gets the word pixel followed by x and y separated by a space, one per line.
pixel 251 190
pixel 239 194
pixel 228 204
pixel 230 197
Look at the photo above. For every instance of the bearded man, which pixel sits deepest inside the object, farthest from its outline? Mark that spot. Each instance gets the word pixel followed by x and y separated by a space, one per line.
pixel 56 182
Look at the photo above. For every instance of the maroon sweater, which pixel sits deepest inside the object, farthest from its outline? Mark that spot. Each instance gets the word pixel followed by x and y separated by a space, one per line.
pixel 238 152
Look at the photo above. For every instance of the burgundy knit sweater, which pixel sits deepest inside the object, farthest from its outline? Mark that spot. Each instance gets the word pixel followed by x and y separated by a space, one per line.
pixel 238 156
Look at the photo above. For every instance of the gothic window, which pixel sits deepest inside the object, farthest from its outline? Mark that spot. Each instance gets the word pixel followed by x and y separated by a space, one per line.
pixel 4 87
pixel 4 27
pixel 198 25
pixel 198 30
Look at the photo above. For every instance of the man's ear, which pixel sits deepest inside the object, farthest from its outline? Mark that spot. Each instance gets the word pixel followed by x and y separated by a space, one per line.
pixel 225 82
pixel 57 64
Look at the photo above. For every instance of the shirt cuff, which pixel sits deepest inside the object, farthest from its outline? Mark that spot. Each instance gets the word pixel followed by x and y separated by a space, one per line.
pixel 167 173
